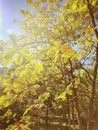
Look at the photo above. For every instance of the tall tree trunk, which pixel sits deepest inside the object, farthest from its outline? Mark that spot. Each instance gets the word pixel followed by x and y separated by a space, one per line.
pixel 65 113
pixel 75 95
pixel 91 104
pixel 77 109
pixel 68 111
pixel 73 115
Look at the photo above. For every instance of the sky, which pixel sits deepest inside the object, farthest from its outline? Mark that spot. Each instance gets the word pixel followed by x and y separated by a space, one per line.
pixel 9 10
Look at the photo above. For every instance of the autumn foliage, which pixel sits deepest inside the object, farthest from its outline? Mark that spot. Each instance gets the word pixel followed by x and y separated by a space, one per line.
pixel 49 75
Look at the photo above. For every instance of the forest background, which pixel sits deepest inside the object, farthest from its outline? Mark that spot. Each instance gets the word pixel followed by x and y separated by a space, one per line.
pixel 49 77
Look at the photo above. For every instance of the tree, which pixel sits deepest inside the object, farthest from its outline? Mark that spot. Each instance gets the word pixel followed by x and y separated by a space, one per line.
pixel 52 65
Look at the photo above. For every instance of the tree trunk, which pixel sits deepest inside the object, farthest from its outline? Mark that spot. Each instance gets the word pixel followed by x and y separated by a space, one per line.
pixel 91 104
pixel 73 115
pixel 77 109
pixel 75 95
pixel 68 111
pixel 65 114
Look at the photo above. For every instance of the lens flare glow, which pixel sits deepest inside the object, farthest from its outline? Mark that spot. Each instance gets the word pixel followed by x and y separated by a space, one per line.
pixel 1 18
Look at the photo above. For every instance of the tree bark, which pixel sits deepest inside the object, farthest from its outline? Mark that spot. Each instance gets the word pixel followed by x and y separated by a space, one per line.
pixel 75 95
pixel 68 111
pixel 91 104
pixel 73 115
